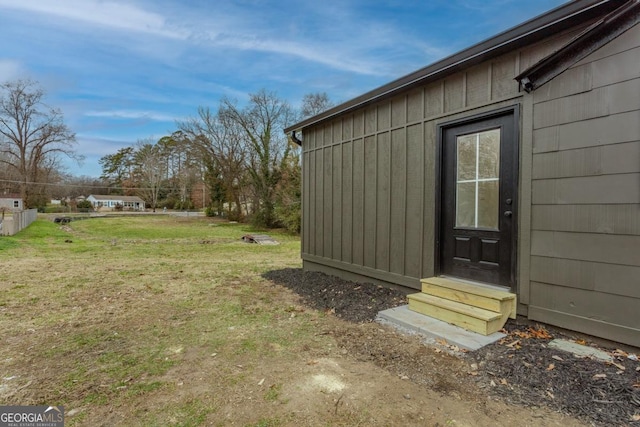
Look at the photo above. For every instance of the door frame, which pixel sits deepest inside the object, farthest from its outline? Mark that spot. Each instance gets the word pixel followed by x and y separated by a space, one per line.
pixel 514 111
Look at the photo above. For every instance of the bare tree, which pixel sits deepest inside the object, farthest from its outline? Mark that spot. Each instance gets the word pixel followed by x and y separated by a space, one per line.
pixel 315 103
pixel 222 146
pixel 182 167
pixel 262 122
pixel 149 171
pixel 32 136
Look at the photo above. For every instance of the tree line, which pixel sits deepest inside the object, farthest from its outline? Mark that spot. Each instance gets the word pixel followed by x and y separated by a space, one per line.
pixel 234 160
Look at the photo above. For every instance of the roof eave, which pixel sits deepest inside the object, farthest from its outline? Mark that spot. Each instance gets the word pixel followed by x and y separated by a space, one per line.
pixel 590 40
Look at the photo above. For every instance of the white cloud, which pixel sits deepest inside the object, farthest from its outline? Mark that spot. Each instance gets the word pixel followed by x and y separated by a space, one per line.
pixel 10 70
pixel 117 15
pixel 133 114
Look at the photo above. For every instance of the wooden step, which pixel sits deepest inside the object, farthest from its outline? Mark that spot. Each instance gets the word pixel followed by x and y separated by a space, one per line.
pixel 474 319
pixel 475 295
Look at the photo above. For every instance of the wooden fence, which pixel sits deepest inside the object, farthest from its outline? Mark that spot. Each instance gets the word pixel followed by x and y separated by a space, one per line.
pixel 18 221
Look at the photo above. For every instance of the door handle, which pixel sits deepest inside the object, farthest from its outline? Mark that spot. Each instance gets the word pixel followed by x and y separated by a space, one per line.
pixel 508 214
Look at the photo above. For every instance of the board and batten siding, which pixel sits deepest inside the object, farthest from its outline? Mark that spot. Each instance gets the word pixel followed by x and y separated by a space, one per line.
pixel 585 216
pixel 369 176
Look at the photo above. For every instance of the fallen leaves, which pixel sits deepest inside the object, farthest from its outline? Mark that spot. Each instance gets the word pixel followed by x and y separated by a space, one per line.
pixel 515 345
pixel 538 332
pixel 617 365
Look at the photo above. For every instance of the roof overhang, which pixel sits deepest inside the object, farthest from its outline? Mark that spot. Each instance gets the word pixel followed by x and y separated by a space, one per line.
pixel 568 15
pixel 590 40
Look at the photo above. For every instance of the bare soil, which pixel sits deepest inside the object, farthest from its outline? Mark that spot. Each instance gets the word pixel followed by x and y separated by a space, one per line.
pixel 521 369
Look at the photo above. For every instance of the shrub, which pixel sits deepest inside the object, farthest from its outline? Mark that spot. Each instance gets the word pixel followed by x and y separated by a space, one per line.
pixel 84 204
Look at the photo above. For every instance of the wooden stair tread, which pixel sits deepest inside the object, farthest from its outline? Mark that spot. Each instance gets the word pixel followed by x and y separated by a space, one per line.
pixel 469 288
pixel 457 307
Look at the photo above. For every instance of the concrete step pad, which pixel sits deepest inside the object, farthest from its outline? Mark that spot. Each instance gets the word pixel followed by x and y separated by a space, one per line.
pixel 409 321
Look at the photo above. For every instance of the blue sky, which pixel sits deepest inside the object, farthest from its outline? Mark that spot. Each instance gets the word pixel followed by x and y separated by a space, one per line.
pixel 124 70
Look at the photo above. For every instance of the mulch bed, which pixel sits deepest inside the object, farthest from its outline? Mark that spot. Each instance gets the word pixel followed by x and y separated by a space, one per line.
pixel 521 369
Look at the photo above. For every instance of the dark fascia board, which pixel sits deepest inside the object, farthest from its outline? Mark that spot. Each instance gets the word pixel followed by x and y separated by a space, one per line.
pixel 590 40
pixel 568 15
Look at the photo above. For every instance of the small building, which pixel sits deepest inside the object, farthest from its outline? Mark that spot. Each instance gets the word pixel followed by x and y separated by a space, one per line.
pixel 12 202
pixel 128 203
pixel 513 165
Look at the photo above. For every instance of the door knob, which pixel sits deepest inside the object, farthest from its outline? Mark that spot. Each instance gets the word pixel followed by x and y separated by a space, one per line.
pixel 508 214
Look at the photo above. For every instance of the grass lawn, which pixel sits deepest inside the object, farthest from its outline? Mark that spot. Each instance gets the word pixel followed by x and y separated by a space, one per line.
pixel 114 312
pixel 166 321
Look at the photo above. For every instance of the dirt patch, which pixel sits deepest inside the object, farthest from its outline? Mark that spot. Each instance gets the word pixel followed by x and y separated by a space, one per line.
pixel 520 369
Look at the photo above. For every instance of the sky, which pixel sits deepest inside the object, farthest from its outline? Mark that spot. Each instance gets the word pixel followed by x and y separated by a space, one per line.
pixel 128 70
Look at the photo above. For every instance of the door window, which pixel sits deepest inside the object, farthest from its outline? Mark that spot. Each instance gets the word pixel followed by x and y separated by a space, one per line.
pixel 478 179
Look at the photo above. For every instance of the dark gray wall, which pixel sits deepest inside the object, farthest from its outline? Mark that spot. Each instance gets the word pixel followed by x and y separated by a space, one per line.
pixel 369 196
pixel 585 218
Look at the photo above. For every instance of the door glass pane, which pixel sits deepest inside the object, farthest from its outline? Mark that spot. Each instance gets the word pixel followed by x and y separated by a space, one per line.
pixel 466 201
pixel 478 179
pixel 488 197
pixel 489 154
pixel 467 157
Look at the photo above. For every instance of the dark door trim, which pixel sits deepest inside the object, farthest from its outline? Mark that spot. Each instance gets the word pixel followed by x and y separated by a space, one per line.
pixel 513 110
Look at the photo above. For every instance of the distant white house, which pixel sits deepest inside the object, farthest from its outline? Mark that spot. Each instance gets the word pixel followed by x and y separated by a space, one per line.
pixel 128 203
pixel 11 201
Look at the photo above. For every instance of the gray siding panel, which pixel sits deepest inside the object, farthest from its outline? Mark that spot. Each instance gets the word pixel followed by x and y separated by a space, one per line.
pixel 606 189
pixel 627 40
pixel 477 87
pixel 328 202
pixel 399 111
pixel 358 124
pixel 384 116
pixel 591 304
pixel 370 202
pixel 592 276
pixel 358 202
pixel 575 80
pixel 613 99
pixel 370 120
pixel 337 131
pixel 503 71
pixel 398 200
pixel 429 213
pixel 605 248
pixel 336 223
pixel 624 127
pixel 319 204
pixel 383 176
pixel 433 100
pixel 347 128
pixel 415 192
pixel 609 219
pixel 454 93
pixel 414 106
pixel 306 194
pixel 602 160
pixel 347 202
pixel 617 68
